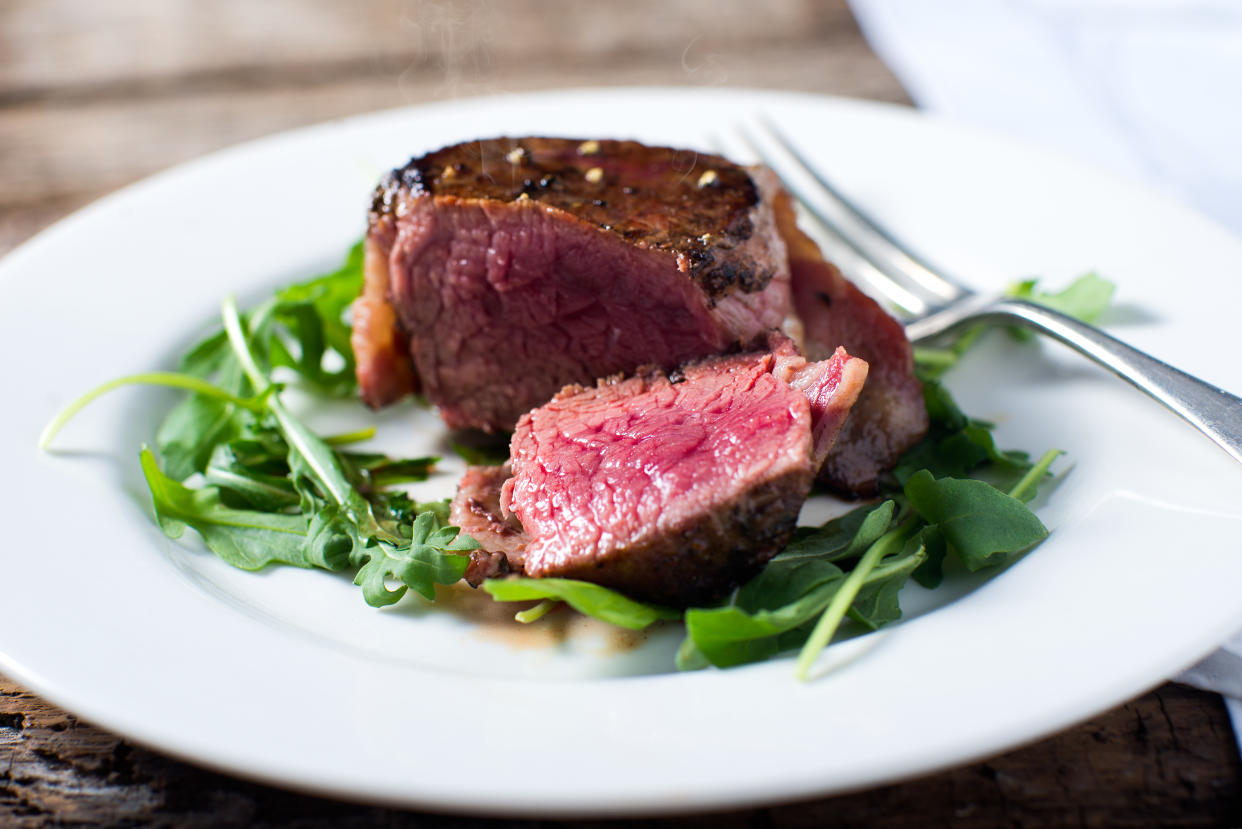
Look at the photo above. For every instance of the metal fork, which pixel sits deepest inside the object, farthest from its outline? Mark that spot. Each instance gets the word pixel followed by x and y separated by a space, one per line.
pixel 937 304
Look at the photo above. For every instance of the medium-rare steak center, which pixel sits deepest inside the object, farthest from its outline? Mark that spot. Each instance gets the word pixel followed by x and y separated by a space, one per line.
pixel 671 488
pixel 497 271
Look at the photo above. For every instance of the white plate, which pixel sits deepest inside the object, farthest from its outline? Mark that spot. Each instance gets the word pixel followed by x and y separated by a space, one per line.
pixel 288 677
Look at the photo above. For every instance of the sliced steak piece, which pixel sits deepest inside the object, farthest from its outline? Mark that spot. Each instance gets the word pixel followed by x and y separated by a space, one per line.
pixel 476 510
pixel 675 488
pixel 499 271
pixel 890 416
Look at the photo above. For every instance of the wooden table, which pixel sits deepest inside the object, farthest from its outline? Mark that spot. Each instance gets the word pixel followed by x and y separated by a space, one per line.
pixel 96 95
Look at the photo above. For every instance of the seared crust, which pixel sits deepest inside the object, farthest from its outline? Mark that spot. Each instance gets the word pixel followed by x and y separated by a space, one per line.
pixel 499 271
pixel 696 206
pixel 385 373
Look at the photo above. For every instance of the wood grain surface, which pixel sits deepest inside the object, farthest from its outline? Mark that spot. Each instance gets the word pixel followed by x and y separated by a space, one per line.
pixel 95 95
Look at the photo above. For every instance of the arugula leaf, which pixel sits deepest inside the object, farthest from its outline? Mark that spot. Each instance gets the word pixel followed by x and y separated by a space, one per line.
pixel 806 562
pixel 1086 298
pixel 274 491
pixel 727 636
pixel 765 615
pixel 258 490
pixel 930 573
pixel 430 555
pixel 370 470
pixel 296 329
pixel 207 356
pixel 981 524
pixel 316 310
pixel 307 509
pixel 189 432
pixel 192 429
pixel 313 465
pixel 585 597
pixel 426 560
pixel 248 539
pixel 843 537
pixel 955 445
pixel 332 539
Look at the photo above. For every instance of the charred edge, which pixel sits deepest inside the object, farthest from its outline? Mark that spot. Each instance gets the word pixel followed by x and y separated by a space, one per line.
pixel 485 565
pixel 718 280
pixel 384 197
pixel 412 178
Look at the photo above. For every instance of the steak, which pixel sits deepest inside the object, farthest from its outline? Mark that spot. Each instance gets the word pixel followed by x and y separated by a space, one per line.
pixel 670 487
pixel 498 271
pixel 476 510
pixel 890 415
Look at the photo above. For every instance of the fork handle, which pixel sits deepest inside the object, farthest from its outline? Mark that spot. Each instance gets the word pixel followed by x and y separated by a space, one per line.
pixel 1213 411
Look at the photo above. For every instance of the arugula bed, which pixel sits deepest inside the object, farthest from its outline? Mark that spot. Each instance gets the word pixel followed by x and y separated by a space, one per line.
pixel 234 464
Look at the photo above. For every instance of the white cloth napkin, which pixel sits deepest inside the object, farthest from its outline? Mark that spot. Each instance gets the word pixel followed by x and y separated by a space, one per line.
pixel 1151 89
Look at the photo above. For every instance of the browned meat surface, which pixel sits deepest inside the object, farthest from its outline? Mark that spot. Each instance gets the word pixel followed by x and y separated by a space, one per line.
pixel 498 271
pixel 485 565
pixel 890 416
pixel 672 488
pixel 384 368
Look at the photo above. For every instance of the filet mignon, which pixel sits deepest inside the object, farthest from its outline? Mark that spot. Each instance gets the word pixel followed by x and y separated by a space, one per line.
pixel 498 271
pixel 668 487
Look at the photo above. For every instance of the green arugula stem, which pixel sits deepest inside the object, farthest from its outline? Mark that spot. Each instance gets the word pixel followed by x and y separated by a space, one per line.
pixel 241 343
pixel 537 612
pixel 326 471
pixel 316 454
pixel 1035 474
pixel 904 564
pixel 828 623
pixel 346 438
pixel 169 379
pixel 935 357
pixel 168 505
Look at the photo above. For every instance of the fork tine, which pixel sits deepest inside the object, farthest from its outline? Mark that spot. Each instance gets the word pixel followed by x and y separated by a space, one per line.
pixel 893 261
pixel 731 145
pixel 735 144
pixel 837 247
